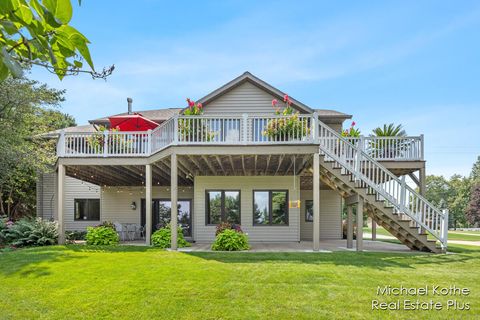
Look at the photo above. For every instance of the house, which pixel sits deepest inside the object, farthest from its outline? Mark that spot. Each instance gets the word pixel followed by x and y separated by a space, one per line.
pixel 285 186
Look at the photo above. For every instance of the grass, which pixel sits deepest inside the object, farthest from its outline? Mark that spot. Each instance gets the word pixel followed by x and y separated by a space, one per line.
pixel 452 235
pixel 81 282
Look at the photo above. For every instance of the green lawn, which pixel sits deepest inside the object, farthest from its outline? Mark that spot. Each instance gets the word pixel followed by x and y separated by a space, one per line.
pixel 80 282
pixel 452 235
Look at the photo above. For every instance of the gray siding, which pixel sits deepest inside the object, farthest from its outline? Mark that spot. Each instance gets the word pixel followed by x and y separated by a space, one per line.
pixel 246 185
pixel 116 201
pixel 330 215
pixel 46 204
pixel 74 189
pixel 246 98
pixel 115 206
pixel 250 99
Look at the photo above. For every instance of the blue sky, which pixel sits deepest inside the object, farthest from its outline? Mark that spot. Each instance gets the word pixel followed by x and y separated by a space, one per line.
pixel 411 62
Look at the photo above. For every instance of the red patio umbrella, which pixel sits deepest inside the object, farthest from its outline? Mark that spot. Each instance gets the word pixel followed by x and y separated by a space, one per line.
pixel 132 122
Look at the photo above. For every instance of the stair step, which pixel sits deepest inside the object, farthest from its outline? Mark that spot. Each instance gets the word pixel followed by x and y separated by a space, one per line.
pixel 383 212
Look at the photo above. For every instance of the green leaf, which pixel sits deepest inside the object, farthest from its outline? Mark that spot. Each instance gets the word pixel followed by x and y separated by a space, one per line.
pixel 6 6
pixel 61 9
pixel 3 71
pixel 12 65
pixel 38 8
pixel 9 27
pixel 24 13
pixel 78 64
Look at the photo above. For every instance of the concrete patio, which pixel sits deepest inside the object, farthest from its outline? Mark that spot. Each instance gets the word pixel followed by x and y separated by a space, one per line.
pixel 306 246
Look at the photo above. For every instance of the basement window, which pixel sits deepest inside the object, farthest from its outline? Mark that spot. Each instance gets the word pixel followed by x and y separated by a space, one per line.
pixel 270 207
pixel 87 209
pixel 222 206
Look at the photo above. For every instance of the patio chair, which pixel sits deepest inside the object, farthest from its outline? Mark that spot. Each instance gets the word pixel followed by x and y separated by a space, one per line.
pixel 141 232
pixel 131 231
pixel 121 230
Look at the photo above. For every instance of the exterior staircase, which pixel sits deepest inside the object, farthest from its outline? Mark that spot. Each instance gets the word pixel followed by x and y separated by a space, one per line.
pixel 388 200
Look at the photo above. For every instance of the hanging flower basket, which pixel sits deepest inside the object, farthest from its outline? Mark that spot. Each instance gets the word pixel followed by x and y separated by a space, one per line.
pixel 290 127
pixel 194 130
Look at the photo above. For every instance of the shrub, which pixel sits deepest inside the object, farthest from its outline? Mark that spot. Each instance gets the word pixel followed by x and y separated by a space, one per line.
pixel 101 236
pixel 344 230
pixel 162 238
pixel 230 240
pixel 107 224
pixel 227 226
pixel 4 223
pixel 72 236
pixel 30 232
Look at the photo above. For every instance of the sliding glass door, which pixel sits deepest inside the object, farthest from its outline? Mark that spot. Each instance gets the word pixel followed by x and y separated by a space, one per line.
pixel 161 213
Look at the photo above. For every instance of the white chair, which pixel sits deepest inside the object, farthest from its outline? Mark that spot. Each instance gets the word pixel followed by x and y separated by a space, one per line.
pixel 131 231
pixel 121 230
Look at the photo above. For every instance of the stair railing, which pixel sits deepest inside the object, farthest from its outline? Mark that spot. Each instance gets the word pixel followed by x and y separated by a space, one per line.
pixel 367 172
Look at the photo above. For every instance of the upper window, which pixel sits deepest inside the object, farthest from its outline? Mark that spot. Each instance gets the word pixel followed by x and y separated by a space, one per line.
pixel 309 210
pixel 223 206
pixel 87 209
pixel 270 207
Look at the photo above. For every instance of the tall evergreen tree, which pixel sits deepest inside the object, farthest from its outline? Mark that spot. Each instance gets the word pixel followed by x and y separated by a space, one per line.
pixel 475 174
pixel 473 210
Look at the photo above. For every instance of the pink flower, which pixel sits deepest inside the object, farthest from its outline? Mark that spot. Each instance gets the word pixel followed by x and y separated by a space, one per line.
pixel 190 102
pixel 353 124
pixel 200 105
pixel 286 98
pixel 274 103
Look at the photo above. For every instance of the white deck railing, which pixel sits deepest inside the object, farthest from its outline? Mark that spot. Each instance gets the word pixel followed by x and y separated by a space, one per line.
pixel 104 144
pixel 369 173
pixel 391 148
pixel 225 130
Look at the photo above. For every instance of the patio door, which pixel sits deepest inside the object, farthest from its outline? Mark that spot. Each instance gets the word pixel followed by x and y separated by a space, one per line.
pixel 161 214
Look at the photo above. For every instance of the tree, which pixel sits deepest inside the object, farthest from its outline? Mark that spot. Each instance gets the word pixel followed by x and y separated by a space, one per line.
pixel 475 174
pixel 37 32
pixel 458 200
pixel 389 130
pixel 27 109
pixel 473 210
pixel 438 190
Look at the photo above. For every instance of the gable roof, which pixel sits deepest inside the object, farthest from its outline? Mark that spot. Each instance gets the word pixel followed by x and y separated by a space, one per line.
pixel 87 128
pixel 332 114
pixel 248 77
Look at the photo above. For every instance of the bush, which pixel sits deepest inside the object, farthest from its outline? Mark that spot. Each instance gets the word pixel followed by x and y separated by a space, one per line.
pixel 230 240
pixel 72 236
pixel 107 224
pixel 227 226
pixel 162 238
pixel 29 232
pixel 101 236
pixel 4 222
pixel 344 230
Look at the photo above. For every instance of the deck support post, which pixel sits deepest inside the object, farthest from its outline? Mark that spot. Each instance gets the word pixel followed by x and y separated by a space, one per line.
pixel 316 202
pixel 422 176
pixel 374 230
pixel 349 227
pixel 60 203
pixel 148 204
pixel 360 224
pixel 174 199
